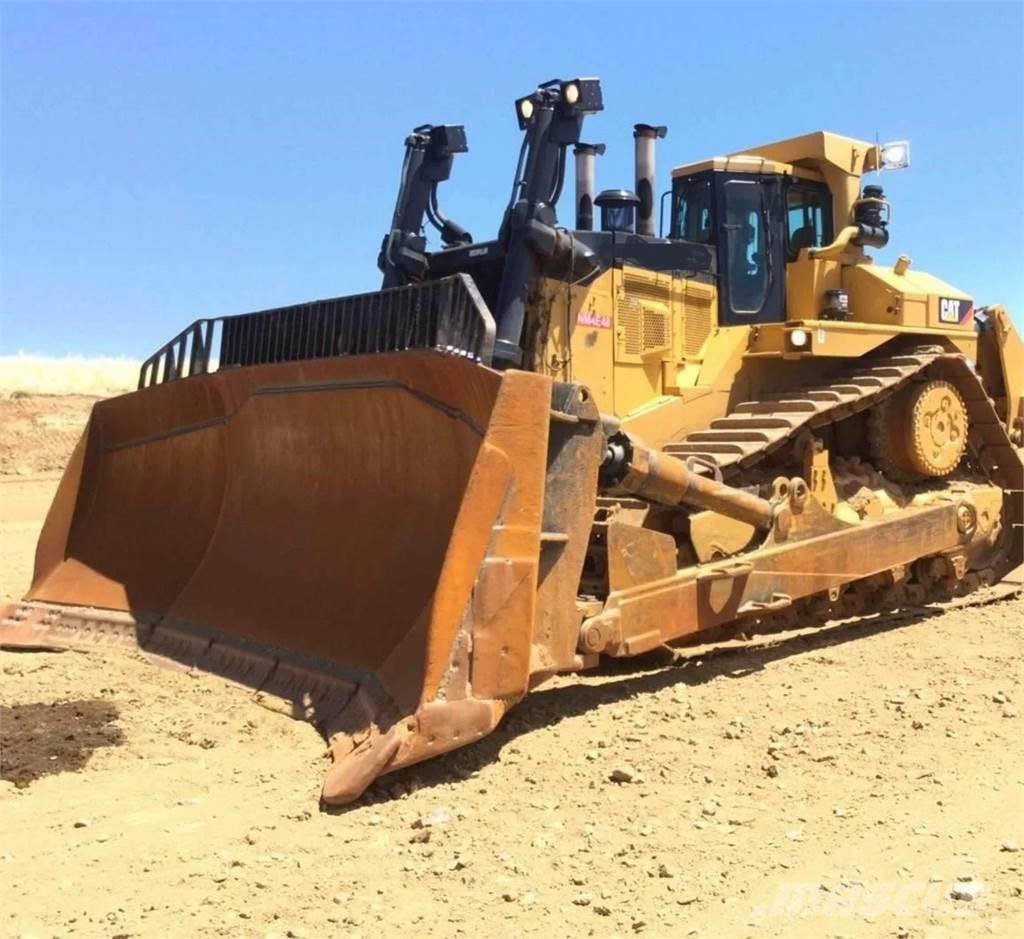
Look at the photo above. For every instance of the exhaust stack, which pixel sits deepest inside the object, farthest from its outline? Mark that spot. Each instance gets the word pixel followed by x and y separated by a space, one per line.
pixel 586 154
pixel 644 135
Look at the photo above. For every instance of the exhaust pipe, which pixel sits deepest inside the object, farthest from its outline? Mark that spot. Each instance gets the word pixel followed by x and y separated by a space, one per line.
pixel 585 154
pixel 644 135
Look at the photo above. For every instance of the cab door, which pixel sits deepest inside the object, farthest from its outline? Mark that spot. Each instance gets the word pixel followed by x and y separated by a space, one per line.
pixel 752 250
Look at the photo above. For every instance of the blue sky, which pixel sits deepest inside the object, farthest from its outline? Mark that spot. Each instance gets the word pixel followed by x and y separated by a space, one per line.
pixel 162 162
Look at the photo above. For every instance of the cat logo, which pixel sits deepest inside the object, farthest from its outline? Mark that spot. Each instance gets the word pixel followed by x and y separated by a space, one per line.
pixel 954 311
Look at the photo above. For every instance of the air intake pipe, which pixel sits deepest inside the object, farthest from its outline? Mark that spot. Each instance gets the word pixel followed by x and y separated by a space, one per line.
pixel 586 183
pixel 870 228
pixel 644 136
pixel 871 215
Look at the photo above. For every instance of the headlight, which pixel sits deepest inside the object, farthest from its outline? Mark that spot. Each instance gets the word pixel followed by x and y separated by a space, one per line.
pixel 798 338
pixel 895 155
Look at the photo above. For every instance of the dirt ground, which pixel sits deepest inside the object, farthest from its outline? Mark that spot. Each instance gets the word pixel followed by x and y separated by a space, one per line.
pixel 863 780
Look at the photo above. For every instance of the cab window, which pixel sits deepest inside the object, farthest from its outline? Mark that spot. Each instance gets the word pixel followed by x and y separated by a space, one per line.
pixel 808 217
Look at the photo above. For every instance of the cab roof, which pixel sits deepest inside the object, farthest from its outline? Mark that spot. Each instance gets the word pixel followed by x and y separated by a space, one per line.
pixel 813 155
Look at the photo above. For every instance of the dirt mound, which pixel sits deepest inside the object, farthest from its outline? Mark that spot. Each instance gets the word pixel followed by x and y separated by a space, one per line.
pixel 38 432
pixel 70 375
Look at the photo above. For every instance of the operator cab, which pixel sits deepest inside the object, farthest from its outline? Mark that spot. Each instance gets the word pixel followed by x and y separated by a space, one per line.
pixel 757 214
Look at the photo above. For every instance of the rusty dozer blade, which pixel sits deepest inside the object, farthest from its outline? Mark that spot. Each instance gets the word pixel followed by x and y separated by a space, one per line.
pixel 363 539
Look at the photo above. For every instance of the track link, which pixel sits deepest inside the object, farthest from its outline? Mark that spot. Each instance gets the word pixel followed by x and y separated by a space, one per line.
pixel 758 428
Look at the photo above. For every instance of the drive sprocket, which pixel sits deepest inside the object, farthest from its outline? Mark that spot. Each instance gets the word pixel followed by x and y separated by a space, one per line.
pixel 920 432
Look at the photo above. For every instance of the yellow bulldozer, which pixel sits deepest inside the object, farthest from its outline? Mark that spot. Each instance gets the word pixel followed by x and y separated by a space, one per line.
pixel 395 513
